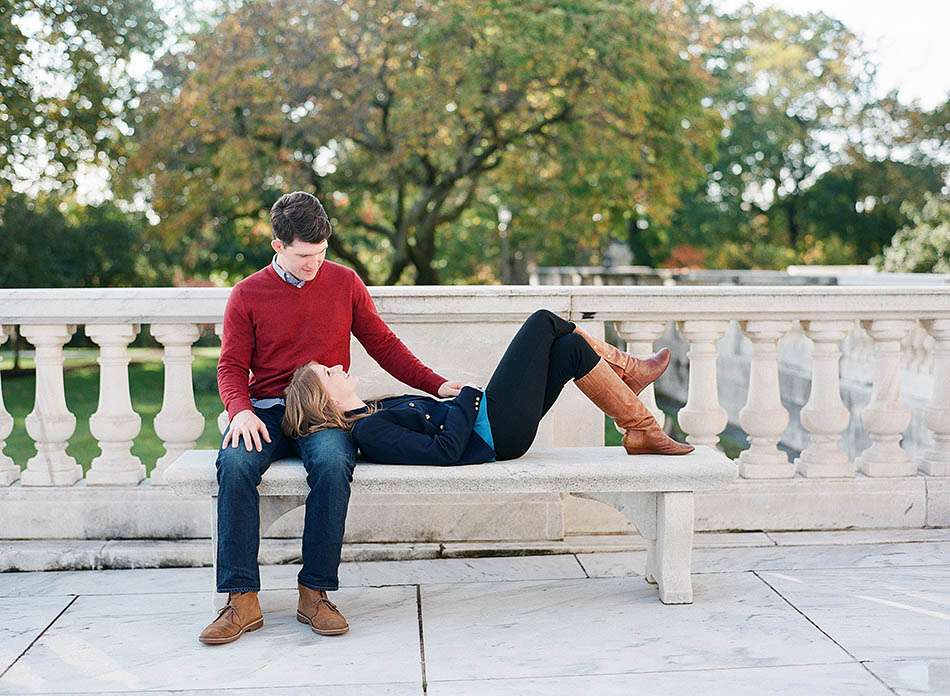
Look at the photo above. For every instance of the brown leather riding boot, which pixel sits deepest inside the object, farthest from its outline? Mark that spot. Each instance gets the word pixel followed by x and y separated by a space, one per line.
pixel 636 373
pixel 641 432
pixel 314 609
pixel 241 614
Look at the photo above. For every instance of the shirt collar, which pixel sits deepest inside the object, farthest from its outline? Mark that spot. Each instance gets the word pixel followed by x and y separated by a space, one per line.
pixel 285 275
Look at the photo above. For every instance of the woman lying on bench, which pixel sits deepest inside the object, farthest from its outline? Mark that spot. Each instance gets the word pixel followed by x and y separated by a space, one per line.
pixel 497 423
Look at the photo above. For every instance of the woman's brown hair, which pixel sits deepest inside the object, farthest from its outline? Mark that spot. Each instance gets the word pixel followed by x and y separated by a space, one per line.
pixel 309 408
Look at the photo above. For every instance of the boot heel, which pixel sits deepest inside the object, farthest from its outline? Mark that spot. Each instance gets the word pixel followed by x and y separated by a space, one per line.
pixel 254 626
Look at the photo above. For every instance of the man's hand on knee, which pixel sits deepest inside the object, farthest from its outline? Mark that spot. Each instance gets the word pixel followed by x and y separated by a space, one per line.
pixel 246 424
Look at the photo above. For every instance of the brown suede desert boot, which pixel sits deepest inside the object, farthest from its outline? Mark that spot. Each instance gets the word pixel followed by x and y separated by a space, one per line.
pixel 315 610
pixel 241 614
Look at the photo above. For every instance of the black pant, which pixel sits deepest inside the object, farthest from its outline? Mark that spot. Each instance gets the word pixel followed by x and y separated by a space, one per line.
pixel 541 358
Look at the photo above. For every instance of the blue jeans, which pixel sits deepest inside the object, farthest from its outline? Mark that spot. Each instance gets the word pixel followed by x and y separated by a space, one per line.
pixel 329 456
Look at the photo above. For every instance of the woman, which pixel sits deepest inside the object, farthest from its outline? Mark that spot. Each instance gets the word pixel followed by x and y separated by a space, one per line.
pixel 494 424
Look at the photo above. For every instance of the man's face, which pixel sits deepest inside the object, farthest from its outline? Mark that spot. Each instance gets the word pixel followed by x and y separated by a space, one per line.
pixel 303 259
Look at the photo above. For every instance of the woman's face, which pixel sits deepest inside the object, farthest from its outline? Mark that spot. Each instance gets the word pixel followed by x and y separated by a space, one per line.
pixel 339 385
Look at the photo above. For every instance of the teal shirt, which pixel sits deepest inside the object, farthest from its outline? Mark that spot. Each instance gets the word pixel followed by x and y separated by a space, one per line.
pixel 482 428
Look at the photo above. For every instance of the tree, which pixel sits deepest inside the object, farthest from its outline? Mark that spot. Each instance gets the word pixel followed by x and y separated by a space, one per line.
pixel 65 84
pixel 924 245
pixel 49 242
pixel 402 116
pixel 812 165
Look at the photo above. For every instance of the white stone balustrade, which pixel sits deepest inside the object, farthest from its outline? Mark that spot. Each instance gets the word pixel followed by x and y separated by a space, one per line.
pixel 9 471
pixel 886 417
pixel 763 417
pixel 50 423
pixel 825 416
pixel 702 418
pixel 114 424
pixel 461 332
pixel 179 424
pixel 936 460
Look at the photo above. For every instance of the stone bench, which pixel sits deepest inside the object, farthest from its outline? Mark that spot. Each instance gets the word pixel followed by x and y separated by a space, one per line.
pixel 654 492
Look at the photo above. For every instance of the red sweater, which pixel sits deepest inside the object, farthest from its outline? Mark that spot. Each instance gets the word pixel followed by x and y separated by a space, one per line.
pixel 271 328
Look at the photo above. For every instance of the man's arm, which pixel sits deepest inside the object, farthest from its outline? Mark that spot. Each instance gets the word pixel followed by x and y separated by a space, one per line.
pixel 237 344
pixel 385 347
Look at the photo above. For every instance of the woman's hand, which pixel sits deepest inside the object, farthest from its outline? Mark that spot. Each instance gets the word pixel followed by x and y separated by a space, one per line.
pixel 448 389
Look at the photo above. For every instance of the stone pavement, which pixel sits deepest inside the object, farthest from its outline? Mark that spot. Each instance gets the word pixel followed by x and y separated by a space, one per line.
pixel 859 612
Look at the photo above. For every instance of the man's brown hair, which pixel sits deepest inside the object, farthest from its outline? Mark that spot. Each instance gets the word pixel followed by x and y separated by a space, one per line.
pixel 299 215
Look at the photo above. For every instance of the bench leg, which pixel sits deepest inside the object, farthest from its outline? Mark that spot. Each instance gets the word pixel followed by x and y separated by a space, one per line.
pixel 674 547
pixel 640 509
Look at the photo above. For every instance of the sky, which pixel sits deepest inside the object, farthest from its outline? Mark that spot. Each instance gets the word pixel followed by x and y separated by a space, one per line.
pixel 911 39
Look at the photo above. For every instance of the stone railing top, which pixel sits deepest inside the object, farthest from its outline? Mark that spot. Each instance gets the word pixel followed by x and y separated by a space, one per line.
pixel 499 303
pixel 575 469
pixel 792 275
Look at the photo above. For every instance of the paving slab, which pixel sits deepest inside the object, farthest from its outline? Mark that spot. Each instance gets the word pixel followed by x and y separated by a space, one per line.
pixel 408 689
pixel 733 560
pixel 875 614
pixel 859 536
pixel 23 620
pixel 276 577
pixel 461 570
pixel 149 642
pixel 609 626
pixel 828 680
pixel 913 676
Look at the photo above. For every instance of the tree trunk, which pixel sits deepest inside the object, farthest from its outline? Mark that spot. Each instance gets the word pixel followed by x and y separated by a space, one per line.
pixel 16 350
pixel 426 274
pixel 793 228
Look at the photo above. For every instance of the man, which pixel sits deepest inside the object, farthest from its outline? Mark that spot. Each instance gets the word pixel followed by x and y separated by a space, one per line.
pixel 298 309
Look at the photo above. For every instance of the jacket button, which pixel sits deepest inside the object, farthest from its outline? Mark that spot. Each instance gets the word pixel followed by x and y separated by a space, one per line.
pixel 427 416
pixel 441 427
pixel 411 404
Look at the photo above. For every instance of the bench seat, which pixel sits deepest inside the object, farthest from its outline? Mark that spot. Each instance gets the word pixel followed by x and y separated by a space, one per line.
pixel 655 492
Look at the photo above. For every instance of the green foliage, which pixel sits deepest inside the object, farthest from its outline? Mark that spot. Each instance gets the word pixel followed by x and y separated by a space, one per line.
pixel 45 244
pixel 404 118
pixel 924 245
pixel 66 87
pixel 812 166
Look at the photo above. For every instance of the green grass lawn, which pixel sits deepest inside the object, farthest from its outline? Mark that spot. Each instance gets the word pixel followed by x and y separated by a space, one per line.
pixel 146 381
pixel 81 380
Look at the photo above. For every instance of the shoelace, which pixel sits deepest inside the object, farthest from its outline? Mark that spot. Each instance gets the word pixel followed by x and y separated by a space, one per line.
pixel 327 602
pixel 224 609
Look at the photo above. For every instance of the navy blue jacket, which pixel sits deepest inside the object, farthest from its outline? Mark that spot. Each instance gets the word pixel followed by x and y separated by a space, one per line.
pixel 422 430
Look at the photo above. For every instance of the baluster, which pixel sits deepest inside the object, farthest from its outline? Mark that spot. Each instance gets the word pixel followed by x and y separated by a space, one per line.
pixel 114 424
pixel 825 416
pixel 640 337
pixel 179 424
pixel 886 417
pixel 936 460
pixel 702 417
pixel 9 471
pixel 763 417
pixel 223 419
pixel 50 423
